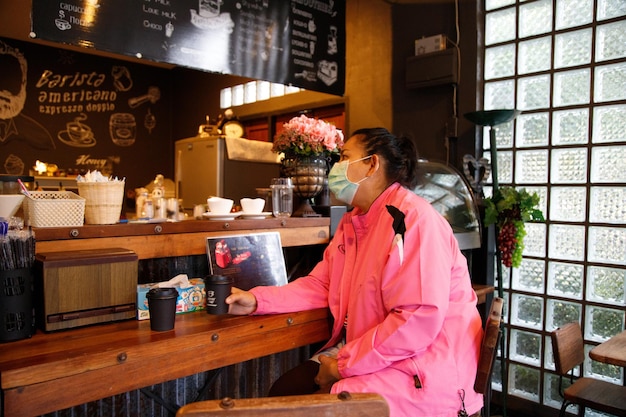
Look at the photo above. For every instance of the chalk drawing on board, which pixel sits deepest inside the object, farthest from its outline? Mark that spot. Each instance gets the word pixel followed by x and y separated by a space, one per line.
pixel 122 81
pixel 149 121
pixel 153 95
pixel 123 129
pixel 14 165
pixel 13 124
pixel 77 133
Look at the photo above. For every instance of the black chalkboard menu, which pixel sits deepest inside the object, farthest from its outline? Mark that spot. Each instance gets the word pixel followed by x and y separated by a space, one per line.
pixel 297 42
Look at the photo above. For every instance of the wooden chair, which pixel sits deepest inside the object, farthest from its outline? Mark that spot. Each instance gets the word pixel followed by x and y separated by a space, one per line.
pixel 569 352
pixel 488 351
pixel 343 404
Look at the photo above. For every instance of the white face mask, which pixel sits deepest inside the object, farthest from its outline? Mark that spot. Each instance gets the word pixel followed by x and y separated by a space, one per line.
pixel 340 185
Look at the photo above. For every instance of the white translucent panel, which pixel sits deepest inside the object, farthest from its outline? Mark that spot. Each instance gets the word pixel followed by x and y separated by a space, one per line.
pixel 609 124
pixel 611 41
pixel 535 55
pixel 608 9
pixel 608 164
pixel 226 98
pixel 496 4
pixel 504 135
pixel 609 82
pixel 249 95
pixel 572 13
pixel 568 204
pixel 238 95
pixel 500 95
pixel 566 242
pixel 531 167
pixel 561 312
pixel 608 205
pixel 525 347
pixel 606 285
pixel 542 192
pixel 572 48
pixel 529 276
pixel 277 90
pixel 564 280
pixel 500 61
pixel 505 168
pixel 524 382
pixel 527 311
pixel 570 127
pixel 290 89
pixel 533 92
pixel 568 166
pixel 535 18
pixel 532 130
pixel 607 245
pixel 500 26
pixel 602 323
pixel 600 370
pixel 572 87
pixel 551 395
pixel 549 357
pixel 263 90
pixel 535 240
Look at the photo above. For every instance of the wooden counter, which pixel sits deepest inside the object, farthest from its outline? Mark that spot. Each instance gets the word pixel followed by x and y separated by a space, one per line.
pixel 159 240
pixel 58 370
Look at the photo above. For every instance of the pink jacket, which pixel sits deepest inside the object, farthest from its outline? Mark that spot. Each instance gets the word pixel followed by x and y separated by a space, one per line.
pixel 413 332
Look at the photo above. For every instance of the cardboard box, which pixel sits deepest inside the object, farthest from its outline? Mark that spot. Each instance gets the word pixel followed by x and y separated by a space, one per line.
pixel 189 298
pixel 430 44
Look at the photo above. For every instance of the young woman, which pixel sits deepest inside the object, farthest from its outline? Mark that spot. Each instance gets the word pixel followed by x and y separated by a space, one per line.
pixel 405 319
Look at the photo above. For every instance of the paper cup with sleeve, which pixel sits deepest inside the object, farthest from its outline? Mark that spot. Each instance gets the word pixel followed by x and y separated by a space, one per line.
pixel 217 288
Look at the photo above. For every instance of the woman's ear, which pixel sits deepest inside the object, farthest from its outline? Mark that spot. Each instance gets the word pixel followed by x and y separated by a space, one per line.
pixel 374 164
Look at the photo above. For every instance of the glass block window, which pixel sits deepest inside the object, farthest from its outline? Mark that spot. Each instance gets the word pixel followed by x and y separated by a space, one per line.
pixel 562 63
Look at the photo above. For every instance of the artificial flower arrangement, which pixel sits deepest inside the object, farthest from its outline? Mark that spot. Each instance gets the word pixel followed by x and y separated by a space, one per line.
pixel 306 136
pixel 509 209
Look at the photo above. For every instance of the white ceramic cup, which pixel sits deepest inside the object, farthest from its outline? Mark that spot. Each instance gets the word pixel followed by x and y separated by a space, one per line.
pixel 252 205
pixel 219 205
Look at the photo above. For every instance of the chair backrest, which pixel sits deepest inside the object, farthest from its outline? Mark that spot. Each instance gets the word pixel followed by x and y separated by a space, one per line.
pixel 489 346
pixel 567 347
pixel 343 404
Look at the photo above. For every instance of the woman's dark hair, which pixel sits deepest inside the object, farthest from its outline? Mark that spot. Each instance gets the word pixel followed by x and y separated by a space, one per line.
pixel 399 152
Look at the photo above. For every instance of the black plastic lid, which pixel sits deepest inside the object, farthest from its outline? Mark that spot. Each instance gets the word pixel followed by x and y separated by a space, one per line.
pixel 218 279
pixel 162 293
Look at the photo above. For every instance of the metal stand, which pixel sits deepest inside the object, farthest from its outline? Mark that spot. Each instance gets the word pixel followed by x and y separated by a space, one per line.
pixel 493 118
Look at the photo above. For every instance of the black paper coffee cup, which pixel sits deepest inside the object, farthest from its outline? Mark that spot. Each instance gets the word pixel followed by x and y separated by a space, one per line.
pixel 162 306
pixel 216 289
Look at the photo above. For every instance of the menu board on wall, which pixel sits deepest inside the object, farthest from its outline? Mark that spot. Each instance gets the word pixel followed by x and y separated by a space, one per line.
pixel 80 113
pixel 297 42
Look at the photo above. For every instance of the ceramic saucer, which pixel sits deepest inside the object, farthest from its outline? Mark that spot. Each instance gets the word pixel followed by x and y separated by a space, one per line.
pixel 256 216
pixel 221 216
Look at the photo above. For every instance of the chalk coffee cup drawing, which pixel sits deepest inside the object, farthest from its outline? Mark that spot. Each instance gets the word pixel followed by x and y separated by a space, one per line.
pixel 217 288
pixel 162 307
pixel 77 133
pixel 123 129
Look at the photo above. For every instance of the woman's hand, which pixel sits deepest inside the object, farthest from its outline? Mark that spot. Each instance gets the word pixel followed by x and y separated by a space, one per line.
pixel 241 302
pixel 328 373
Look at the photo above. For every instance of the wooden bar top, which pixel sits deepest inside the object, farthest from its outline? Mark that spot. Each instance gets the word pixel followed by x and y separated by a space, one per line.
pixel 184 238
pixel 58 370
pixel 613 351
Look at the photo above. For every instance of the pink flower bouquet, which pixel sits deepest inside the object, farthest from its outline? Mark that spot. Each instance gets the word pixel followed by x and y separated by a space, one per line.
pixel 305 136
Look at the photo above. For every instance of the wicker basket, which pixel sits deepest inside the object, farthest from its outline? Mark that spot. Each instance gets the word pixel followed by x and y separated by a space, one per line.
pixel 104 200
pixel 54 209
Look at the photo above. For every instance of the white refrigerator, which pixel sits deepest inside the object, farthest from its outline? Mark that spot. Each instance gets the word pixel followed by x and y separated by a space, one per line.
pixel 216 166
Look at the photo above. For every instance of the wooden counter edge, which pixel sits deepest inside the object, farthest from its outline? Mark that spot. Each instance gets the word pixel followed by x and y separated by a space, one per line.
pixel 299 329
